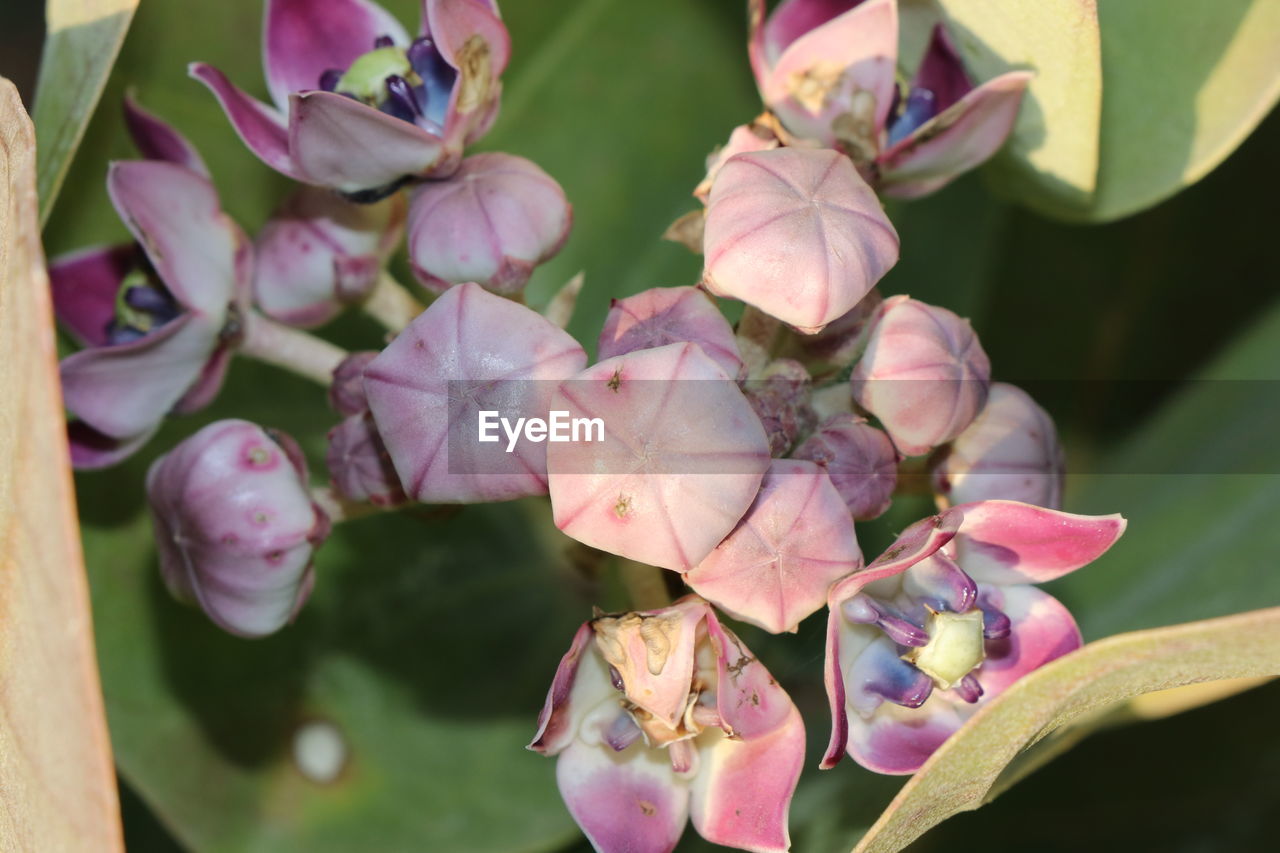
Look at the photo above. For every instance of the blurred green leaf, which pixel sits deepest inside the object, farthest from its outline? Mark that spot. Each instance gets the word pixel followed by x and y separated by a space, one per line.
pixel 83 39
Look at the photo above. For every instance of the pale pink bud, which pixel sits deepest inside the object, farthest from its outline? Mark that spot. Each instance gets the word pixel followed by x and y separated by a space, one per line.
pixel 923 375
pixel 743 139
pixel 860 460
pixel 359 464
pixel 668 315
pixel 346 394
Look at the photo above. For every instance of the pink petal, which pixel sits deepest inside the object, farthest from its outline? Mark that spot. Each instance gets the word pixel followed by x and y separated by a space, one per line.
pixel 556 726
pixel 668 315
pixel 91 449
pixel 341 143
pixel 742 793
pixel 303 39
pixel 468 336
pixel 452 23
pixel 209 383
pixel 259 126
pixel 176 216
pixel 941 71
pixel 126 390
pixel 681 460
pixel 1006 542
pixel 956 140
pixel 791 19
pixel 897 740
pixel 833 679
pixel 749 700
pixel 657 682
pixel 84 286
pixel 1042 630
pixel 775 567
pixel 920 540
pixel 625 802
pixel 818 77
pixel 156 139
pixel 797 233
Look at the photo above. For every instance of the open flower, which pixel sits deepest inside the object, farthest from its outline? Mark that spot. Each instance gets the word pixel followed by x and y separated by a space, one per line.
pixel 360 107
pixel 664 714
pixel 946 619
pixel 827 69
pixel 158 319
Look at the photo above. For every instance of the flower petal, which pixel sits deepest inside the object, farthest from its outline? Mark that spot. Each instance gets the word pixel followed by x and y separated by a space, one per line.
pixel 668 315
pixel 453 23
pixel 156 139
pixel 1006 542
pixel 942 72
pixel 742 793
pixel 557 724
pixel 956 140
pixel 1042 630
pixel 91 449
pixel 175 214
pixel 920 540
pixel 259 126
pixel 654 653
pixel 897 740
pixel 209 383
pixel 125 390
pixel 84 286
pixel 302 39
pixel 749 700
pixel 626 802
pixel 341 143
pixel 791 19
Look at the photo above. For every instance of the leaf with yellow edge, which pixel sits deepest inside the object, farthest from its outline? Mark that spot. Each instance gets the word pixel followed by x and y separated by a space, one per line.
pixel 57 783
pixel 84 37
pixel 1014 732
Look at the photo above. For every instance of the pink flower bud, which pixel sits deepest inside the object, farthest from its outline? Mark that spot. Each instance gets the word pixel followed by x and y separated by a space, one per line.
pixel 319 254
pixel 774 569
pixel 668 315
pixel 744 138
pixel 680 462
pixel 923 374
pixel 235 525
pixel 1010 451
pixel 492 222
pixel 346 394
pixel 796 233
pixel 470 351
pixel 860 460
pixel 360 465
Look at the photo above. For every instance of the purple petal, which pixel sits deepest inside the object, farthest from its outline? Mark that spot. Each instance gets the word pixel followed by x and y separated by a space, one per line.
pixel 941 72
pixel 668 315
pixel 742 793
pixel 920 540
pixel 1042 630
pixel 341 143
pixel 156 139
pixel 956 140
pixel 259 126
pixel 209 383
pixel 126 390
pixel 793 18
pixel 303 39
pixel 625 802
pixel 833 677
pixel 897 740
pixel 84 286
pixel 860 460
pixel 1006 542
pixel 91 449
pixel 556 724
pixel 175 214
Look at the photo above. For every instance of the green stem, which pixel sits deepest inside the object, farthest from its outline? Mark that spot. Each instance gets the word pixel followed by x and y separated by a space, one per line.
pixel 645 585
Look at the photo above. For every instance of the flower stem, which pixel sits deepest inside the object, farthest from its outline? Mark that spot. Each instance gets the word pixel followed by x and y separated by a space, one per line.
pixel 337 507
pixel 391 303
pixel 292 349
pixel 645 585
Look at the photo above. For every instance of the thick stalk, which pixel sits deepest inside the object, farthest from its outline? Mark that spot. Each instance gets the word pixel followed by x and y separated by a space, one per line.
pixel 645 585
pixel 338 508
pixel 292 349
pixel 391 303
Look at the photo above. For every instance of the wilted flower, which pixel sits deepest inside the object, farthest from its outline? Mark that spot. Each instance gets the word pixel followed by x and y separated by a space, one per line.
pixel 860 460
pixel 319 254
pixel 923 374
pixel 358 106
pixel 662 716
pixel 775 567
pixel 158 319
pixel 669 315
pixel 492 222
pixel 235 525
pixel 945 620
pixel 1010 451
pixel 828 70
pixel 796 233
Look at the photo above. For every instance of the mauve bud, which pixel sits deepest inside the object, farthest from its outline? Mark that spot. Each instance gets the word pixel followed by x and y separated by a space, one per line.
pixel 360 465
pixel 839 344
pixel 491 223
pixel 923 375
pixel 235 525
pixel 346 394
pixel 860 460
pixel 319 254
pixel 780 398
pixel 1009 452
pixel 669 315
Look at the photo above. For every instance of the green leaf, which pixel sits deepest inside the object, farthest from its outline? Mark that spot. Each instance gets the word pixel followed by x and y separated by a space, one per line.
pixel 961 775
pixel 83 39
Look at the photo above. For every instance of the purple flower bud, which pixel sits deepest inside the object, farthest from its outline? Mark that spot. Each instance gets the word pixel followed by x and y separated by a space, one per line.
pixel 360 465
pixel 235 525
pixel 346 394
pixel 496 219
pixel 861 461
pixel 1010 451
pixel 318 254
pixel 796 233
pixel 780 398
pixel 668 315
pixel 923 375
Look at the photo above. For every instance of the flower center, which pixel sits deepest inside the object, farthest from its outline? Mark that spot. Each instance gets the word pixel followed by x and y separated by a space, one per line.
pixel 142 305
pixel 413 84
pixel 912 113
pixel 954 648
